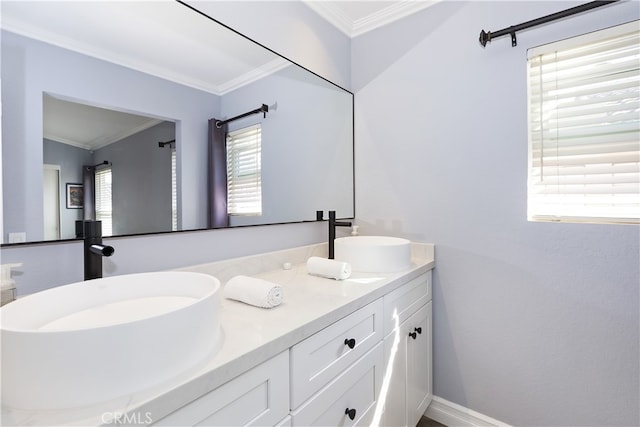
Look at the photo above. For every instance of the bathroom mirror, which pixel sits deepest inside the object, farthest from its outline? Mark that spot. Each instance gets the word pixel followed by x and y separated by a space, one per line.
pixel 168 73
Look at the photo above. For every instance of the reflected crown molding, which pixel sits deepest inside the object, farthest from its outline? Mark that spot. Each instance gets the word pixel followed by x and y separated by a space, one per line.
pixel 254 75
pixel 66 27
pixel 87 126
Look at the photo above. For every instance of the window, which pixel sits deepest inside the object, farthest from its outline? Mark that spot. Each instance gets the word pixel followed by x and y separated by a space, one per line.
pixel 174 191
pixel 103 200
pixel 584 121
pixel 244 173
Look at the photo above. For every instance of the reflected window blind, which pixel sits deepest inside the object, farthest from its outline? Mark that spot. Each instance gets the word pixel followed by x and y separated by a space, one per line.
pixel 584 138
pixel 244 171
pixel 103 200
pixel 174 191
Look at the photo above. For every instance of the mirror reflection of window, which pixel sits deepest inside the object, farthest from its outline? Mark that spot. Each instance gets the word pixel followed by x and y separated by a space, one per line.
pixel 174 191
pixel 244 171
pixel 104 209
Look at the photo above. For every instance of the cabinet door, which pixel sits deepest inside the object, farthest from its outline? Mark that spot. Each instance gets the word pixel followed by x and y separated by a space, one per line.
pixel 407 388
pixel 258 397
pixel 419 364
pixel 394 392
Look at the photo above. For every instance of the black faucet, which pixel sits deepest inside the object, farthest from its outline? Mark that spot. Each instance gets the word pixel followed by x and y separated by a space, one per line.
pixel 94 250
pixel 332 230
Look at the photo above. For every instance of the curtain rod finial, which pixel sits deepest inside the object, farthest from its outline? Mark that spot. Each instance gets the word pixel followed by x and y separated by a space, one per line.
pixel 484 37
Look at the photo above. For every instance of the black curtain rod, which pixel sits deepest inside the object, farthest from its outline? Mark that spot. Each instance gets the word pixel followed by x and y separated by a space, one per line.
pixel 162 144
pixel 489 35
pixel 104 162
pixel 263 109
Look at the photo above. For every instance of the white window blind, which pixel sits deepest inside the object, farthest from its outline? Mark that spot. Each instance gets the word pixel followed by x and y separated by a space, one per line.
pixel 174 191
pixel 103 200
pixel 584 121
pixel 244 171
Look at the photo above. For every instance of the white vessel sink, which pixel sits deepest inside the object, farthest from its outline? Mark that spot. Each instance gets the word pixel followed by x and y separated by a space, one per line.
pixel 92 341
pixel 374 254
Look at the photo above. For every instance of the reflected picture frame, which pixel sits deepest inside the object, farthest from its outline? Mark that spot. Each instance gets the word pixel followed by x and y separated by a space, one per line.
pixel 75 196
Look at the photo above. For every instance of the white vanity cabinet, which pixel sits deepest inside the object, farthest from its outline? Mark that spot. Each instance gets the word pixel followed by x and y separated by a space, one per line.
pixel 408 352
pixel 336 377
pixel 259 397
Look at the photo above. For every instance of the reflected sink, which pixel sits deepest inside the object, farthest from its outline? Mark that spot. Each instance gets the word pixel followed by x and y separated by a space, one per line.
pixel 374 254
pixel 92 341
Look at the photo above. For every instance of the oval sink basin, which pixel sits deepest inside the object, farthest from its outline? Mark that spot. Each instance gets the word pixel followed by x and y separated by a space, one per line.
pixel 374 254
pixel 92 341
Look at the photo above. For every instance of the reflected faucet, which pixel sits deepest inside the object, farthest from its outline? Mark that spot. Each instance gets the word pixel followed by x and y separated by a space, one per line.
pixel 94 250
pixel 332 231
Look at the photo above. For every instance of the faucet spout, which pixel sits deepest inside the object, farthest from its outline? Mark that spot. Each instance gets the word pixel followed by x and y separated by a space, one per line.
pixel 102 250
pixel 332 231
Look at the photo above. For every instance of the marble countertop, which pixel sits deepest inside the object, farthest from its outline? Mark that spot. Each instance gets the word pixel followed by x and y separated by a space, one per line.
pixel 251 335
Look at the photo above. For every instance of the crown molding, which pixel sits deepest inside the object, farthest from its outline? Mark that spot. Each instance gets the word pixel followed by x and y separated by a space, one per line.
pixel 390 14
pixel 62 140
pixel 252 76
pixel 104 140
pixel 331 11
pixel 333 14
pixel 79 46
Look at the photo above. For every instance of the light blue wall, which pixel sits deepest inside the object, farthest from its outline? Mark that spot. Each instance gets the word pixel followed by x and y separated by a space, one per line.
pixel 141 180
pixel 535 324
pixel 31 68
pixel 307 150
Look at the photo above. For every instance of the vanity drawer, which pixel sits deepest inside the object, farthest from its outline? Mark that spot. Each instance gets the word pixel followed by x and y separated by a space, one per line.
pixel 321 357
pixel 258 397
pixel 405 301
pixel 356 389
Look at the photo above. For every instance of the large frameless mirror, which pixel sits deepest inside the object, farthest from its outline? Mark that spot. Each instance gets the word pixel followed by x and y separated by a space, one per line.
pixel 106 110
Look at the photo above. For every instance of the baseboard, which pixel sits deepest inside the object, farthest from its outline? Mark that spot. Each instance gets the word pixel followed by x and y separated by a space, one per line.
pixel 454 415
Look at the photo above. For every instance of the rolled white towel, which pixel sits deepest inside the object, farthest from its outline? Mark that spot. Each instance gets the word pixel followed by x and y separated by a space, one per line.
pixel 328 268
pixel 250 290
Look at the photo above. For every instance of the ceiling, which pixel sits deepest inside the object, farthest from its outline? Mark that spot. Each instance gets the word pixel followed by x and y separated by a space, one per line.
pixel 85 27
